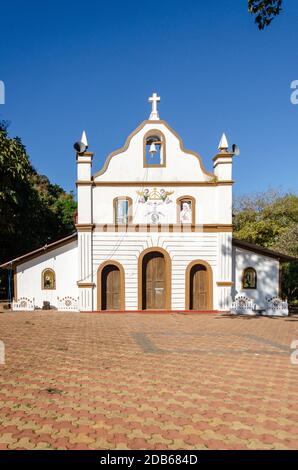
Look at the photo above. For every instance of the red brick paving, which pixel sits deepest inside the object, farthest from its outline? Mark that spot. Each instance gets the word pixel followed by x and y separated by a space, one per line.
pixel 138 381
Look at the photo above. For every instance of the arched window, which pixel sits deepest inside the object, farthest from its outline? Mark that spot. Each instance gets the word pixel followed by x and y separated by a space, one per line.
pixel 48 279
pixel 249 278
pixel 186 210
pixel 154 149
pixel 122 210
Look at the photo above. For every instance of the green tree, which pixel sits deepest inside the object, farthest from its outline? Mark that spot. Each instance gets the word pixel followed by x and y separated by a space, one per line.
pixel 32 210
pixel 264 11
pixel 271 220
pixel 290 281
pixel 268 219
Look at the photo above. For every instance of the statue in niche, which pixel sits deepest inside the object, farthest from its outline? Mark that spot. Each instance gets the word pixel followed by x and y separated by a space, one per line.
pixel 186 212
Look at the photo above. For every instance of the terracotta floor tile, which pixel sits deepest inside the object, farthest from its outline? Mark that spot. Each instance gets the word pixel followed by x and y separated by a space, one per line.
pixel 132 381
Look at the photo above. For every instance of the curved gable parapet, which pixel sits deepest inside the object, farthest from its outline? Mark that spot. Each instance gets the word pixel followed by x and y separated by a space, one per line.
pixel 118 151
pixel 127 163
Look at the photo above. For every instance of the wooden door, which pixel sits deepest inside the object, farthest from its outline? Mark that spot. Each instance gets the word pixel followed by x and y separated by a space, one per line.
pixel 154 281
pixel 110 288
pixel 198 288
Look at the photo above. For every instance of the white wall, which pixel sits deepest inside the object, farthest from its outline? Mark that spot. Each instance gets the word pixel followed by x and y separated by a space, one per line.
pixel 183 168
pixel 84 204
pixel 267 275
pixel 213 203
pixel 128 164
pixel 182 248
pixel 63 261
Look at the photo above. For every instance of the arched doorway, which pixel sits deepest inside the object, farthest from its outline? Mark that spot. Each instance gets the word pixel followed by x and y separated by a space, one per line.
pixel 198 286
pixel 110 286
pixel 154 280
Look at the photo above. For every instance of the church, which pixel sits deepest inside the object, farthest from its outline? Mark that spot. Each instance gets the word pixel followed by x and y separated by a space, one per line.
pixel 153 233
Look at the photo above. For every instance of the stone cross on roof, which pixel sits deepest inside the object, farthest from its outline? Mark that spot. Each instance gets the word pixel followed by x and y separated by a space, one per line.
pixel 154 99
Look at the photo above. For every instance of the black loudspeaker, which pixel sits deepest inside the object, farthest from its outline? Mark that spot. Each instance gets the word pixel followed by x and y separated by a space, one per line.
pixel 79 147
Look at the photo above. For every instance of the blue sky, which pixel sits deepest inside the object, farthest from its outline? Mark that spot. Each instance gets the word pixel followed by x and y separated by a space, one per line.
pixel 91 65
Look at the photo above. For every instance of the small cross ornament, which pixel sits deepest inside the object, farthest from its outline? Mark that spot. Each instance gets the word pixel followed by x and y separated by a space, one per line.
pixel 154 99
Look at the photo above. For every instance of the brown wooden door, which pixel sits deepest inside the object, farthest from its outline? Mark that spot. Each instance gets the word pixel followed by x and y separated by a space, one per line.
pixel 110 288
pixel 198 288
pixel 154 284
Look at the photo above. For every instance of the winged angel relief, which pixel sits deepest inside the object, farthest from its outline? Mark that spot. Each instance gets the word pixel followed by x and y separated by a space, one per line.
pixel 154 199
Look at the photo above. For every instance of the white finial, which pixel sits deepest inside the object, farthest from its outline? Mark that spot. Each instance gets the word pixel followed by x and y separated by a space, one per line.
pixel 84 139
pixel 154 99
pixel 223 144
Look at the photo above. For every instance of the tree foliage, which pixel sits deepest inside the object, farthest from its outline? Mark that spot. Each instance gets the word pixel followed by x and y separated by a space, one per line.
pixel 33 211
pixel 264 11
pixel 271 220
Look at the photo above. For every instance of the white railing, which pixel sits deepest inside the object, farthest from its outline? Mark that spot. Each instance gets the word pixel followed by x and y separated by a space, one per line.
pixel 68 303
pixel 243 306
pixel 23 303
pixel 276 307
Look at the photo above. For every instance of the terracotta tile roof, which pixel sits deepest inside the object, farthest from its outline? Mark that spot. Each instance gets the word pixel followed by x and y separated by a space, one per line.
pixel 263 251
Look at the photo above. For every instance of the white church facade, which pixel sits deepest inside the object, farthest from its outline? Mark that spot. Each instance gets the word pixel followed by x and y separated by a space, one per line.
pixel 154 233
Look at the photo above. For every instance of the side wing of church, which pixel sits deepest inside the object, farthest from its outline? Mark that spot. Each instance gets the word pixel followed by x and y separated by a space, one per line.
pixel 154 232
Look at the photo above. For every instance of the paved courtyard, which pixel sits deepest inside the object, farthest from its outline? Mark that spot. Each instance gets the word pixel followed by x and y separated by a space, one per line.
pixel 147 381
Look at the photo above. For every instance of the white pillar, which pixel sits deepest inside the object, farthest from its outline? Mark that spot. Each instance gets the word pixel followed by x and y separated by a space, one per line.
pixel 84 227
pixel 224 271
pixel 84 188
pixel 222 164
